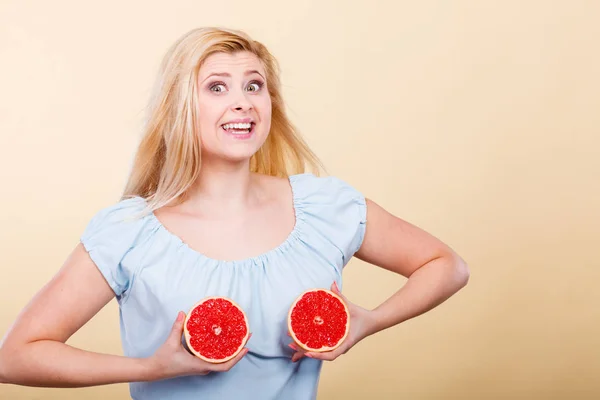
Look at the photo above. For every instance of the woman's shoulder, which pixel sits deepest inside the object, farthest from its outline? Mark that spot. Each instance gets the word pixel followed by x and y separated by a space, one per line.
pixel 125 210
pixel 324 189
pixel 119 219
pixel 113 231
pixel 332 211
pixel 124 206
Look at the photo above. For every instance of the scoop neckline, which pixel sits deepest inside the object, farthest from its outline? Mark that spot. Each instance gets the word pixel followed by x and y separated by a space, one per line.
pixel 294 233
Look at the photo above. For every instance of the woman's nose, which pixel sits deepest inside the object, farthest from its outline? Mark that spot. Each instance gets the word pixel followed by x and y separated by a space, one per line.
pixel 241 102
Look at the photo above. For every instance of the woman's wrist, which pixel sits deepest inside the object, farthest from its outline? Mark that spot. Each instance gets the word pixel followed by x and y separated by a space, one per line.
pixel 153 371
pixel 373 322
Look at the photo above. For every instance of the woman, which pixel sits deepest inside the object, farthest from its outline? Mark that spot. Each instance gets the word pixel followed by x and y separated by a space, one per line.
pixel 218 203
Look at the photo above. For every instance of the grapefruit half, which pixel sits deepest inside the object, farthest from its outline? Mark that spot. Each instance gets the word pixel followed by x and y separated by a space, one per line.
pixel 216 329
pixel 319 320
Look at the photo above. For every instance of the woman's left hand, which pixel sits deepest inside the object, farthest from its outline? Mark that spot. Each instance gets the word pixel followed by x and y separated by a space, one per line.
pixel 361 326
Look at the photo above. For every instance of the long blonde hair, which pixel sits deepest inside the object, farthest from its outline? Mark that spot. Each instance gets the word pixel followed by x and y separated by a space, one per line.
pixel 168 161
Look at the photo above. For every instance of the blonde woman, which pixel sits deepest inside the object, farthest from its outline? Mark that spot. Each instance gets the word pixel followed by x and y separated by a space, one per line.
pixel 218 203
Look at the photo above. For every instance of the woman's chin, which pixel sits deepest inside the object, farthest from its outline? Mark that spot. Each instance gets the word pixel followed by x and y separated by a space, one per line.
pixel 231 156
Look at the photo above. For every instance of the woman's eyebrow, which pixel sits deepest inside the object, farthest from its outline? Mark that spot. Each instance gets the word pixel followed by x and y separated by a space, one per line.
pixel 228 75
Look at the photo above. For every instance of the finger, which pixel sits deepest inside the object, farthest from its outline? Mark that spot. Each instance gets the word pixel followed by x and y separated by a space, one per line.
pixel 296 348
pixel 326 355
pixel 297 356
pixel 177 329
pixel 336 290
pixel 298 352
pixel 293 347
pixel 226 366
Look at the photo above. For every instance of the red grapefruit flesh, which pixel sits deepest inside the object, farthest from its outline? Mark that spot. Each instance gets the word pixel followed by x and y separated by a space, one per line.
pixel 319 320
pixel 216 329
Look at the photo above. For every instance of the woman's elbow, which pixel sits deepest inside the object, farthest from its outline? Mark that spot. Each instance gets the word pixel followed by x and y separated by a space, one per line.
pixel 3 367
pixel 8 361
pixel 455 271
pixel 462 272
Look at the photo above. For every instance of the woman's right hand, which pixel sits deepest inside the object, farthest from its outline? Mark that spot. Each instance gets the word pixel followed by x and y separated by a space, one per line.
pixel 172 359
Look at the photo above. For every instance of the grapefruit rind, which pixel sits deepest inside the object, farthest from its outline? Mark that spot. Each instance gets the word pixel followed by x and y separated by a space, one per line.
pixel 324 348
pixel 188 336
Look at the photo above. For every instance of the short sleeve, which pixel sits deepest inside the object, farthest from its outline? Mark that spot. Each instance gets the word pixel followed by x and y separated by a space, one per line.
pixel 351 215
pixel 336 212
pixel 108 238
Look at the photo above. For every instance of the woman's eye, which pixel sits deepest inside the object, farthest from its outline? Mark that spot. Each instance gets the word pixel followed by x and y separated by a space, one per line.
pixel 254 87
pixel 219 87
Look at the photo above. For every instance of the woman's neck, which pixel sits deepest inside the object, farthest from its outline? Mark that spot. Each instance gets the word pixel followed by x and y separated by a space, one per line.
pixel 224 186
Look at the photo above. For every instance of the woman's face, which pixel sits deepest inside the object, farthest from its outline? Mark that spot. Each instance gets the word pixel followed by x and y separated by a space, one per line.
pixel 234 106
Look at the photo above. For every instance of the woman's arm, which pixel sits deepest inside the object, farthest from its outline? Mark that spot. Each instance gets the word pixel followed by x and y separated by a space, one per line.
pixel 34 353
pixel 434 271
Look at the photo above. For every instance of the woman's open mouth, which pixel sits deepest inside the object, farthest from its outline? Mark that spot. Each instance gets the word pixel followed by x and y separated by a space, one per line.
pixel 240 130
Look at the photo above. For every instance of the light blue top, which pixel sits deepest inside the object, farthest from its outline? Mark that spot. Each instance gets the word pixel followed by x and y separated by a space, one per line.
pixel 154 275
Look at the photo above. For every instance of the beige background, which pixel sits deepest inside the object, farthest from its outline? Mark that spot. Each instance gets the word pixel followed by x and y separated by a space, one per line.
pixel 476 120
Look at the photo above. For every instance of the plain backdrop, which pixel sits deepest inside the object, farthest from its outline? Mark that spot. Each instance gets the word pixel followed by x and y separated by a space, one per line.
pixel 476 120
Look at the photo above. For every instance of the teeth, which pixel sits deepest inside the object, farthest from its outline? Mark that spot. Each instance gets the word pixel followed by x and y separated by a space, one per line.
pixel 237 126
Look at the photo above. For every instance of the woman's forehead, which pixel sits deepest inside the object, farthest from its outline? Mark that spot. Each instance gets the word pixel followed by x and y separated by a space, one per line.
pixel 239 63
